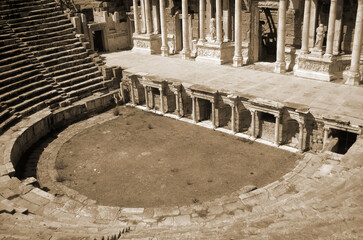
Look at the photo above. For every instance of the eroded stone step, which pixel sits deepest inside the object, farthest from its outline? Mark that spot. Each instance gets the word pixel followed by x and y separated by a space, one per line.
pixel 10 52
pixel 15 65
pixel 37 19
pixel 12 59
pixel 57 49
pixel 64 59
pixel 29 11
pixel 17 101
pixel 53 44
pixel 86 91
pixel 12 72
pixel 80 81
pixel 88 68
pixel 64 53
pixel 20 30
pixel 30 103
pixel 67 68
pixel 39 37
pixel 21 90
pixel 50 39
pixel 43 30
pixel 19 80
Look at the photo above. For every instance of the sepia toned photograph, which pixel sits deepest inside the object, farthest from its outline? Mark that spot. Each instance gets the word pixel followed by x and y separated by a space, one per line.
pixel 181 119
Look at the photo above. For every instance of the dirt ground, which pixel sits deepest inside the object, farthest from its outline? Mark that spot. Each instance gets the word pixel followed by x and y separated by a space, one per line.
pixel 144 160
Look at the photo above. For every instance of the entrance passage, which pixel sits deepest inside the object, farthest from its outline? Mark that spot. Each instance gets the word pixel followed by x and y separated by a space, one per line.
pixel 97 41
pixel 268 35
pixel 205 110
pixel 344 140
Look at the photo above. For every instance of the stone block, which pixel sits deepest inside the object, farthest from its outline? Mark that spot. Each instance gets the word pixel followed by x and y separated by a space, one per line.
pixel 166 211
pixel 182 220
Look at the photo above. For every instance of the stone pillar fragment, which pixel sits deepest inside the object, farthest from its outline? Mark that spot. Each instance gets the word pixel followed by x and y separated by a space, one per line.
pixel 185 24
pixel 161 100
pixel 253 124
pixel 147 97
pixel 331 28
pixel 306 25
pixel 194 109
pixel 136 17
pixel 201 20
pixel 353 76
pixel 280 65
pixel 277 130
pixel 237 58
pixel 301 136
pixel 148 17
pixel 164 36
pixel 219 27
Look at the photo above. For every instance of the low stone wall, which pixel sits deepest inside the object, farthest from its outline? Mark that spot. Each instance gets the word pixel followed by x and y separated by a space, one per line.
pixel 27 133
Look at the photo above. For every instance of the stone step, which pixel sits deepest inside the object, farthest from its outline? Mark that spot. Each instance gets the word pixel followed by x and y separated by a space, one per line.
pixel 78 82
pixel 4 114
pixel 67 68
pixel 44 30
pixel 57 55
pixel 62 32
pixel 57 49
pixel 86 91
pixel 51 39
pixel 12 72
pixel 6 42
pixel 21 90
pixel 14 102
pixel 64 59
pixel 29 11
pixel 14 65
pixel 18 4
pixel 37 19
pixel 13 59
pixel 29 105
pixel 53 44
pixel 73 73
pixel 20 30
pixel 10 52
pixel 19 80
pixel 5 36
pixel 4 125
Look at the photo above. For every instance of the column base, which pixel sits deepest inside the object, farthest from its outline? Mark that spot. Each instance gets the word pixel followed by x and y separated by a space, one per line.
pixel 214 52
pixel 185 54
pixel 280 67
pixel 352 78
pixel 320 67
pixel 165 51
pixel 147 43
pixel 237 61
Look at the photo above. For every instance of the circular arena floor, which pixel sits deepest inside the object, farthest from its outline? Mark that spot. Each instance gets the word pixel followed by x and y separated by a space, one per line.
pixel 141 159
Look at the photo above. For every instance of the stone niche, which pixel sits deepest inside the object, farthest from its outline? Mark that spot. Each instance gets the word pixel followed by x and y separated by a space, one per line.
pixel 219 53
pixel 147 43
pixel 320 67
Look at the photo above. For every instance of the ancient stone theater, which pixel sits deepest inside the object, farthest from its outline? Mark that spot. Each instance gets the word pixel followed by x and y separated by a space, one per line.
pixel 181 119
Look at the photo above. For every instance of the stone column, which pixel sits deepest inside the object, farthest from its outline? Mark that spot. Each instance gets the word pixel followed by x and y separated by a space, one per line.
pixel 353 75
pixel 325 139
pixel 237 58
pixel 306 25
pixel 152 98
pixel 237 125
pixel 132 93
pixel 213 114
pixel 227 21
pixel 177 107
pixel 331 28
pixel 122 92
pixel 146 97
pixel 185 23
pixel 301 136
pixel 155 17
pixel 194 109
pixel 280 65
pixel 164 36
pixel 219 27
pixel 201 20
pixel 161 100
pixel 253 123
pixel 277 130
pixel 148 17
pixel 233 117
pixel 143 27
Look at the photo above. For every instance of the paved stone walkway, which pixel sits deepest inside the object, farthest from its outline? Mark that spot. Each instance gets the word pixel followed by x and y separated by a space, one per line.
pixel 323 98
